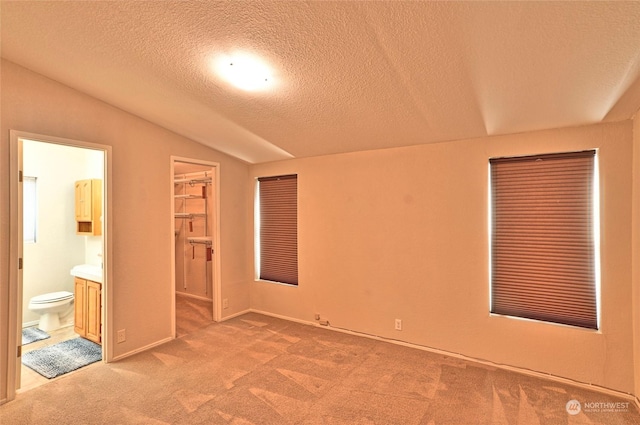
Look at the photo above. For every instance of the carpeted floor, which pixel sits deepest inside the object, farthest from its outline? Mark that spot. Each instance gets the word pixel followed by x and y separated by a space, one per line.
pixel 255 369
pixel 192 314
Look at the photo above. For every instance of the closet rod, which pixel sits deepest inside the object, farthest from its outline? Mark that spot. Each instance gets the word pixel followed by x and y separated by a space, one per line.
pixel 190 216
pixel 208 243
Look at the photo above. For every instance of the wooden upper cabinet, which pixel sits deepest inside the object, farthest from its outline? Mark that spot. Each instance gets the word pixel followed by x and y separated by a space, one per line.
pixel 88 207
pixel 79 198
pixel 84 199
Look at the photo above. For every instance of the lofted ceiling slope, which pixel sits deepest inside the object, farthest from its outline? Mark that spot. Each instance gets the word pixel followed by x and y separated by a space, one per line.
pixel 348 76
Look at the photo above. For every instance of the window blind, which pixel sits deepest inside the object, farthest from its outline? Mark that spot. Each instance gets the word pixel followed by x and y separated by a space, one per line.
pixel 278 197
pixel 543 247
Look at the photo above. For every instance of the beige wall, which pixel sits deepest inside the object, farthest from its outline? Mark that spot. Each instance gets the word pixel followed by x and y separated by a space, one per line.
pixel 636 249
pixel 402 233
pixel 141 281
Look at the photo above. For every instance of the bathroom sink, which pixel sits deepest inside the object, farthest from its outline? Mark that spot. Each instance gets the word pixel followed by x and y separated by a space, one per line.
pixel 87 271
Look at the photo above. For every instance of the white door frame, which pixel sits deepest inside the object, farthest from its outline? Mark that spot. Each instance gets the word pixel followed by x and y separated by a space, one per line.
pixel 15 249
pixel 216 276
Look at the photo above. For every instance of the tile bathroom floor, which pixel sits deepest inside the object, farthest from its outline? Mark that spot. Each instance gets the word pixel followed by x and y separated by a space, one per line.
pixel 31 379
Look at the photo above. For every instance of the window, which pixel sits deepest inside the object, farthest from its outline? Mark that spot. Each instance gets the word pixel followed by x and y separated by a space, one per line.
pixel 278 229
pixel 544 238
pixel 29 209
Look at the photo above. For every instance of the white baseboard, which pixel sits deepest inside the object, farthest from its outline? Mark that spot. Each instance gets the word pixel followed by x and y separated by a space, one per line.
pixel 30 324
pixel 529 372
pixel 231 316
pixel 141 349
pixel 63 324
pixel 290 319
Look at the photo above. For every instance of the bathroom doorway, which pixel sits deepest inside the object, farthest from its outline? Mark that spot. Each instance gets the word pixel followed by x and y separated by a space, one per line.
pixel 57 249
pixel 195 249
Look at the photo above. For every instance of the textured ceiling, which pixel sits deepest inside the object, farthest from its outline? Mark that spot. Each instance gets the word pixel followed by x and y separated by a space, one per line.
pixel 349 76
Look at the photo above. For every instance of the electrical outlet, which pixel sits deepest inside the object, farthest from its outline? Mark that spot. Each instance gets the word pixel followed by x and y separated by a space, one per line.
pixel 398 324
pixel 122 336
pixel 225 303
pixel 317 316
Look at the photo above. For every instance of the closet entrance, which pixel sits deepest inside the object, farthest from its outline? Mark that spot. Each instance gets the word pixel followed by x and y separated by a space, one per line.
pixel 195 249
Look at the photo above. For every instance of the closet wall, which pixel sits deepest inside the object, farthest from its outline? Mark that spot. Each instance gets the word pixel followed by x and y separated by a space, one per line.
pixel 194 215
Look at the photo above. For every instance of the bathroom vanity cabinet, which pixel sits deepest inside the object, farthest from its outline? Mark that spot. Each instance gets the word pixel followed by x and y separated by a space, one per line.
pixel 88 309
pixel 88 207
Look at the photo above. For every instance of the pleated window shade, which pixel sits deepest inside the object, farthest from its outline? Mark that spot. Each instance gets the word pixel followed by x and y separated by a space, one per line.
pixel 278 197
pixel 543 245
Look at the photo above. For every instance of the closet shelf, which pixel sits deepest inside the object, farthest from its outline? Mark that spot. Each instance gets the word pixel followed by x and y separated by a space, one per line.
pixel 206 240
pixel 202 180
pixel 187 196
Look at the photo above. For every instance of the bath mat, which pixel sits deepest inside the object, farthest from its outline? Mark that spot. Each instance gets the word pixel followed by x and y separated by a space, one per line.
pixel 30 335
pixel 63 357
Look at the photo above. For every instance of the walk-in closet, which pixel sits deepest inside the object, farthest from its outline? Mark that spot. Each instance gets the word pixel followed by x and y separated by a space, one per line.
pixel 194 209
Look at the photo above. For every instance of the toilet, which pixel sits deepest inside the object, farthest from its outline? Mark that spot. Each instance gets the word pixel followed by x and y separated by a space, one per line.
pixel 51 307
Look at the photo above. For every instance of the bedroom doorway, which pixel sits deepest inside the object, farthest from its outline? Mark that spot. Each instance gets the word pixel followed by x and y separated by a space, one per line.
pixel 45 171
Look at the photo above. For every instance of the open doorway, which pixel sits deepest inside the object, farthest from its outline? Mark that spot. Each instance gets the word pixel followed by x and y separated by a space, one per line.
pixel 195 252
pixel 59 216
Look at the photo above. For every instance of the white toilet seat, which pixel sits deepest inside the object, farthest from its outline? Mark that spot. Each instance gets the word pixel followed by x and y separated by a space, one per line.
pixel 51 297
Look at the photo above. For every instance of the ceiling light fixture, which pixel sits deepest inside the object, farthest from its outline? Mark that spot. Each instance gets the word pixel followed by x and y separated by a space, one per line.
pixel 245 72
